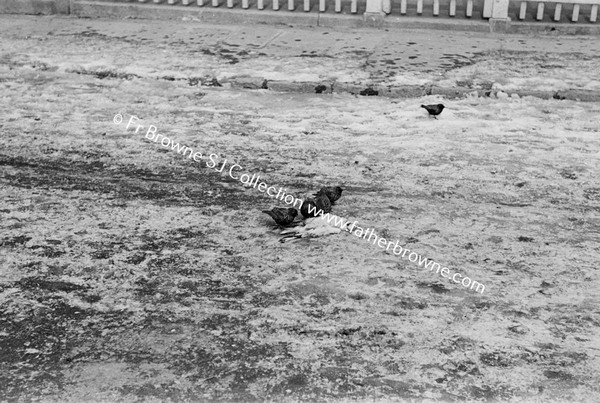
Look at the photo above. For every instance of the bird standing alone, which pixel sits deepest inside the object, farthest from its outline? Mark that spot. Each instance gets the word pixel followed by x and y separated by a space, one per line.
pixel 434 110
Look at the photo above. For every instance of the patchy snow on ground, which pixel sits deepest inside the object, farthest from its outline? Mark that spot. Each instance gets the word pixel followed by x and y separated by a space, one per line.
pixel 132 273
pixel 119 253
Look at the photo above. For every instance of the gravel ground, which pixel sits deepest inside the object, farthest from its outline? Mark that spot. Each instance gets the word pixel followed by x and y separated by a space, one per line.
pixel 132 273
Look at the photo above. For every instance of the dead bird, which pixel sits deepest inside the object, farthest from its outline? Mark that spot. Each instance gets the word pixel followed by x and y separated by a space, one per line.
pixel 434 110
pixel 316 227
pixel 333 193
pixel 282 216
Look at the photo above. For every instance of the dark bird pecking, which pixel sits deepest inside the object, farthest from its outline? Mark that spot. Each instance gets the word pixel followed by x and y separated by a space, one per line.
pixel 434 110
pixel 282 216
pixel 332 193
pixel 309 208
pixel 317 206
pixel 323 203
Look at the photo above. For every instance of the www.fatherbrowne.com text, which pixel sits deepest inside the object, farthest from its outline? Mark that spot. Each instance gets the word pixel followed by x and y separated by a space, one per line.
pixel 253 181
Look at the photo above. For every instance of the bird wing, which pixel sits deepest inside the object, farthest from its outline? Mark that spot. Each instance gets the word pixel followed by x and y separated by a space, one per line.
pixel 322 231
pixel 319 225
pixel 330 220
pixel 304 232
pixel 314 222
pixel 293 230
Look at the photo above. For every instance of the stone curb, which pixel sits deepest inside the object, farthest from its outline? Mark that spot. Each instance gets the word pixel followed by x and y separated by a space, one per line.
pixel 405 91
pixel 249 82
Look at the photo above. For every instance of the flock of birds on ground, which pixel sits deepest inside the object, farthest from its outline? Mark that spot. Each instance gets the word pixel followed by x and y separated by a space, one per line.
pixel 314 224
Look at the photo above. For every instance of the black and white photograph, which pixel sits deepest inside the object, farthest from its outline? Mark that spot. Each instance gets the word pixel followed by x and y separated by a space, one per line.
pixel 301 201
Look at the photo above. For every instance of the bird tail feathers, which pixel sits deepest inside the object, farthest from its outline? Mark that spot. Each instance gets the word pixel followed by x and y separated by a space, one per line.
pixel 289 231
pixel 288 238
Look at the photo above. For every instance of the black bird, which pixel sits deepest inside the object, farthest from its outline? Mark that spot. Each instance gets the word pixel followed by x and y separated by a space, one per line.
pixel 315 207
pixel 332 193
pixel 434 110
pixel 323 203
pixel 304 209
pixel 282 216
